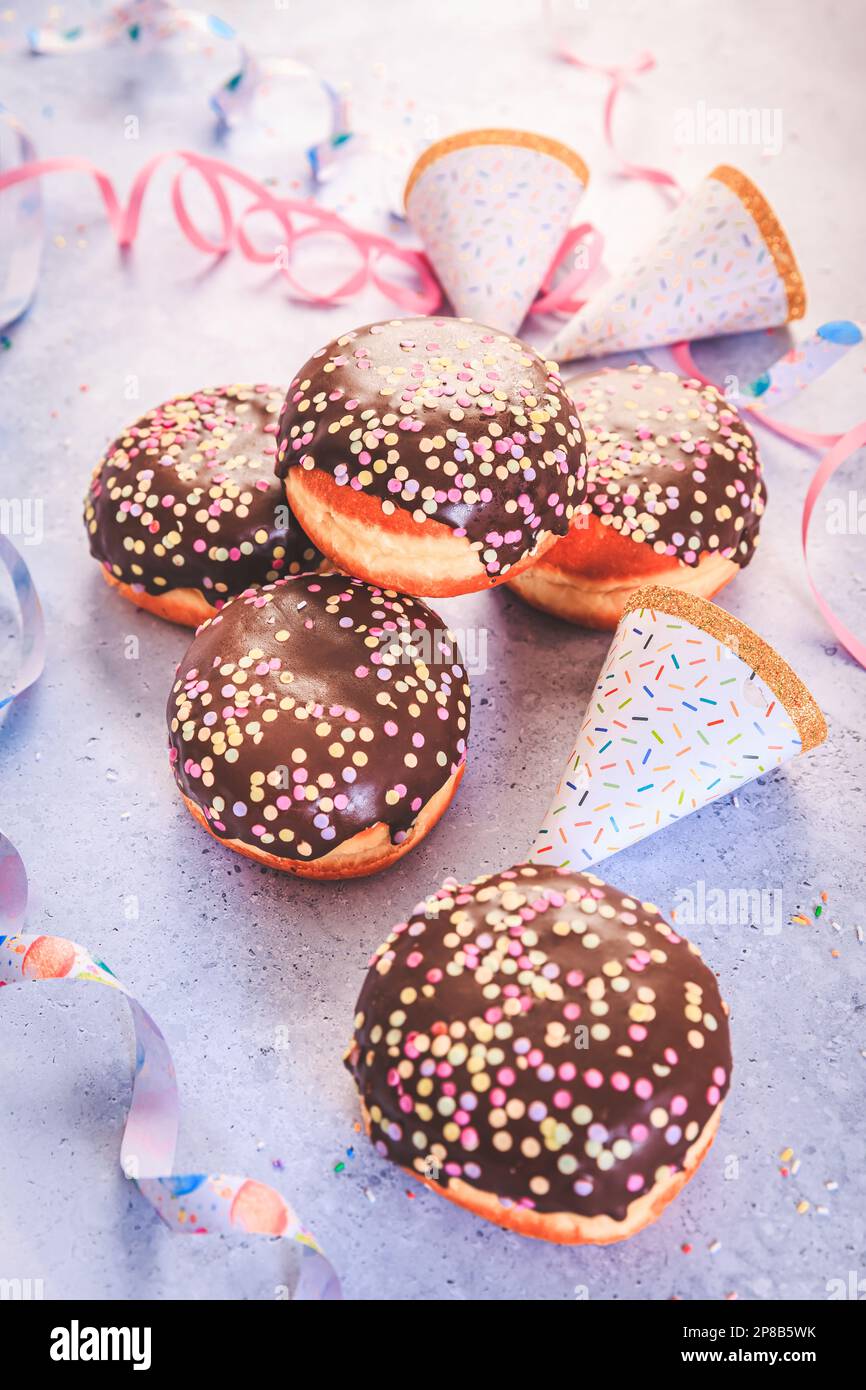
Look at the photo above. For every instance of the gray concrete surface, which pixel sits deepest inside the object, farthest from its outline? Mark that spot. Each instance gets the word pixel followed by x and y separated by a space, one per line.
pixel 254 978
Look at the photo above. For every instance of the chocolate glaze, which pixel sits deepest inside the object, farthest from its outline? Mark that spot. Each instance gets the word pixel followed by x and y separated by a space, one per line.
pixel 185 498
pixel 312 708
pixel 670 464
pixel 442 418
pixel 469 1057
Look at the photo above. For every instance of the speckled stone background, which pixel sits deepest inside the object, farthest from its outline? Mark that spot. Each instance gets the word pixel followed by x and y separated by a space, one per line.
pixel 254 977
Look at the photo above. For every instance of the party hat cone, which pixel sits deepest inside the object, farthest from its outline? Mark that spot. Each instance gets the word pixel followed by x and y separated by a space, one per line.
pixel 690 704
pixel 722 264
pixel 492 207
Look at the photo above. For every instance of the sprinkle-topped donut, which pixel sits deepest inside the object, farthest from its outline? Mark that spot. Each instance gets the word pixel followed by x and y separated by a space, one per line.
pixel 545 1050
pixel 455 445
pixel 185 502
pixel 674 496
pixel 670 464
pixel 319 724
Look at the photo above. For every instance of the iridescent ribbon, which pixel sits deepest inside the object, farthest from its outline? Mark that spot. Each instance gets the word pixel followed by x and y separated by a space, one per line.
pixel 805 363
pixel 839 448
pixel 148 22
pixel 32 623
pixel 188 1203
pixel 22 229
pixel 237 96
pixel 197 1203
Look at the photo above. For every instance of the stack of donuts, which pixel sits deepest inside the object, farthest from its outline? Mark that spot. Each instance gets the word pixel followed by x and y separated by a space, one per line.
pixel 319 722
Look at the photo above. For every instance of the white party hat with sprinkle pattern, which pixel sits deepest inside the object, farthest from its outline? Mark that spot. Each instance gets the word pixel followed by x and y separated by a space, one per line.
pixel 491 208
pixel 690 704
pixel 721 264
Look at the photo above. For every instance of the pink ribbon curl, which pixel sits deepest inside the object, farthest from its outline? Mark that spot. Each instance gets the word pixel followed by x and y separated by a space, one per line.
pixel 839 448
pixel 619 76
pixel 372 250
pixel 298 221
pixel 560 298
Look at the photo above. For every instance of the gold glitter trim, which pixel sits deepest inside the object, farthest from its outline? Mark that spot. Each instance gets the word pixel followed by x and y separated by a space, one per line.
pixel 771 230
pixel 748 646
pixel 524 139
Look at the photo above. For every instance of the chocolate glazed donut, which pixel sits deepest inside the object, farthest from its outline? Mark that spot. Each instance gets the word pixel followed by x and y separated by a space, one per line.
pixel 544 1050
pixel 675 495
pixel 183 511
pixel 319 725
pixel 433 455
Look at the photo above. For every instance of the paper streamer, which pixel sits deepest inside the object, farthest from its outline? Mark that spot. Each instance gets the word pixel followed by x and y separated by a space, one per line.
pixel 296 221
pixel 146 23
pixel 238 95
pixel 805 363
pixel 32 623
pixel 618 76
pixel 840 448
pixel 188 1203
pixel 22 229
pixel 584 245
pixel 690 704
pixel 196 1203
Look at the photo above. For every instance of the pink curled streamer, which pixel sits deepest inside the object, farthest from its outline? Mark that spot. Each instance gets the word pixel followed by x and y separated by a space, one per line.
pixel 839 448
pixel 560 298
pixel 619 76
pixel 372 249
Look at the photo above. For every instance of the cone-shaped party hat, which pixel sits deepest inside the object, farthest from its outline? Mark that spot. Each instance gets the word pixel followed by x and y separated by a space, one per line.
pixel 721 264
pixel 492 207
pixel 690 704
